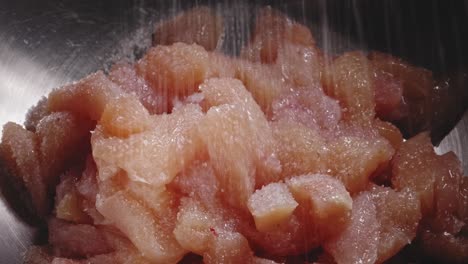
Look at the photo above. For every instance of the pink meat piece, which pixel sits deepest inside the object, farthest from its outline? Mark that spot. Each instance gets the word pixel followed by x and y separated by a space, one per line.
pixel 310 107
pixel 76 240
pixel 125 76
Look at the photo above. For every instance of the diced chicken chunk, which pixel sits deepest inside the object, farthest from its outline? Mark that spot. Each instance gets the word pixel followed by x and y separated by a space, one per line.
pixel 195 227
pixel 264 82
pixel 170 144
pixel 300 65
pixel 68 203
pixel 202 175
pixel 174 71
pixel 447 194
pixel 271 205
pixel 229 247
pixel 126 77
pixel 310 107
pixel 238 138
pixel 87 98
pixel 389 104
pixel 349 79
pixel 300 149
pixel 463 200
pixel 389 132
pixel 38 255
pixel 356 156
pixel 413 167
pixel 162 202
pixel 294 236
pixel 230 151
pixel 328 202
pixel 20 155
pixel 272 30
pixel 125 116
pixel 64 141
pixel 35 114
pixel 417 88
pixel 87 188
pixel 76 240
pixel 358 243
pixel 138 224
pixel 258 260
pixel 399 214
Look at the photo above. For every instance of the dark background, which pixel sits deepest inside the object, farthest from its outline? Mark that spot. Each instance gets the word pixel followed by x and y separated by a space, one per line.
pixel 430 33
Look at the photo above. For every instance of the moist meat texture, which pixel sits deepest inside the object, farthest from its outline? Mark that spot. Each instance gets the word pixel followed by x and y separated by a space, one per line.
pixel 283 155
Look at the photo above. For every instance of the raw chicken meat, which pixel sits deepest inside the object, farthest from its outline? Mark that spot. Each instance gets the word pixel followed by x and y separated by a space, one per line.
pixel 283 155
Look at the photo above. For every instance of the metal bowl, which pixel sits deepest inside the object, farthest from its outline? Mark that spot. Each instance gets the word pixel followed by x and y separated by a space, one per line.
pixel 45 44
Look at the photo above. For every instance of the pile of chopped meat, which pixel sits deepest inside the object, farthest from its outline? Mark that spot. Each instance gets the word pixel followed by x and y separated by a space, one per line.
pixel 282 155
